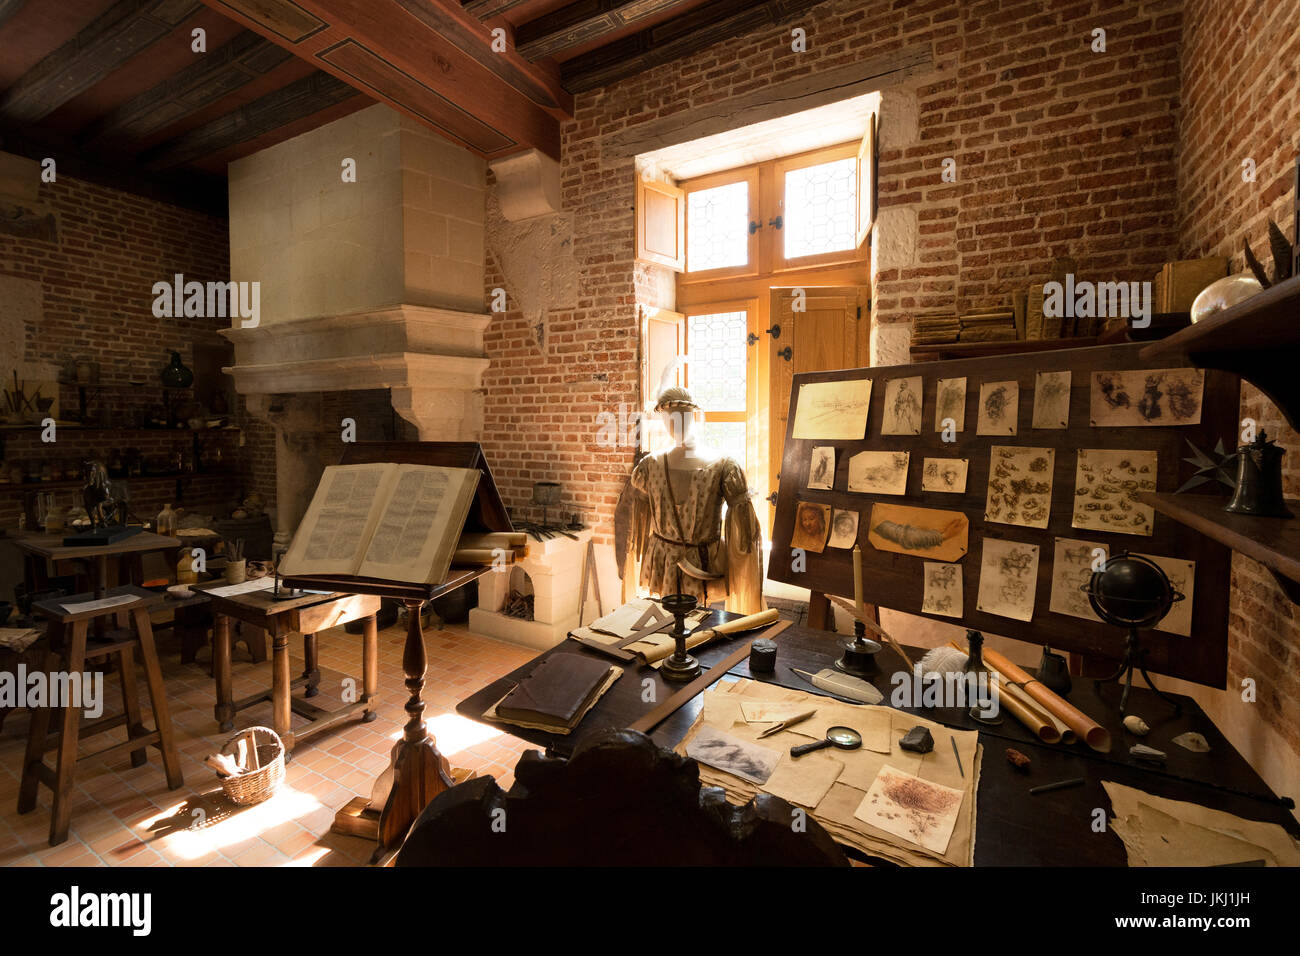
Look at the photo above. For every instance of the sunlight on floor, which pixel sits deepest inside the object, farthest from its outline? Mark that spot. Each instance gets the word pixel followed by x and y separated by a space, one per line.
pixel 198 831
pixel 455 733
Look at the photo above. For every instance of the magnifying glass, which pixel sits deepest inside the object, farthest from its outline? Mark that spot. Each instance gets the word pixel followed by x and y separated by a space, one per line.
pixel 845 738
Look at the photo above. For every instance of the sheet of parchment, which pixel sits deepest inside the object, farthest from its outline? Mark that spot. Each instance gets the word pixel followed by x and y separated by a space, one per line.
pixel 918 810
pixel 1008 578
pixel 1052 400
pixel 1182 575
pixel 844 528
pixel 879 472
pixel 747 759
pixel 950 403
pixel 947 475
pixel 922 532
pixel 833 410
pixel 999 408
pixel 1153 396
pixel 821 470
pixel 902 414
pixel 1020 485
pixel 1107 483
pixel 1072 565
pixel 811 524
pixel 1160 832
pixel 943 589
pixel 805 780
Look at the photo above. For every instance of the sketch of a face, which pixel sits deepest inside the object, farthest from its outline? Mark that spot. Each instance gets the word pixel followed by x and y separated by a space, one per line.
pixel 844 524
pixel 811 520
pixel 995 403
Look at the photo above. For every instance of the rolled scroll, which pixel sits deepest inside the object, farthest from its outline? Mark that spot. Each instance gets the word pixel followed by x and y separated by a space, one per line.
pixel 1090 732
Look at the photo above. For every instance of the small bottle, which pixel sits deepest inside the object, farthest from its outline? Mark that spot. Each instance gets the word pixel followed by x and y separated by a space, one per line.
pixel 185 573
pixel 166 521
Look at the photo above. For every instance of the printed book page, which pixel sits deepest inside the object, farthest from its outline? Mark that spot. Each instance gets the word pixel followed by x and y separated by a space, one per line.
pixel 340 520
pixel 417 531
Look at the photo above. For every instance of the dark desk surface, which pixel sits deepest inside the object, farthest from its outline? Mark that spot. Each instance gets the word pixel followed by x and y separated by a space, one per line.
pixel 1013 828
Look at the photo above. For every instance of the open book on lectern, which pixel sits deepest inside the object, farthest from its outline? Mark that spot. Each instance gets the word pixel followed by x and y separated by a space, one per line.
pixel 385 520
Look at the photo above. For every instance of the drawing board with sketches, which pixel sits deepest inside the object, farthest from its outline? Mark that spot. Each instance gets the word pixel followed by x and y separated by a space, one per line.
pixel 996 528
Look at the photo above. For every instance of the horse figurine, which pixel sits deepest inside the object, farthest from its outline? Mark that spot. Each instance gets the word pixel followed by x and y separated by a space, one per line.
pixel 102 505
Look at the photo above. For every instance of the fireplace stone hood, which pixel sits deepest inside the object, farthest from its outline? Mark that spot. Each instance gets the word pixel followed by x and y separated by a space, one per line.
pixel 366 237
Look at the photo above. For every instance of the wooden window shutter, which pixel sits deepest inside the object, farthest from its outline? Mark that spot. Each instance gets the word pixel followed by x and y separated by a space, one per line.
pixel 867 182
pixel 663 334
pixel 661 224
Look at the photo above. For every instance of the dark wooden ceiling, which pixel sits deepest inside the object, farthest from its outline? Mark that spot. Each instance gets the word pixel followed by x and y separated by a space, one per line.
pixel 113 90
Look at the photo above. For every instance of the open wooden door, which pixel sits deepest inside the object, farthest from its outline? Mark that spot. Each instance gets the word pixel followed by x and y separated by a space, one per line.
pixel 813 330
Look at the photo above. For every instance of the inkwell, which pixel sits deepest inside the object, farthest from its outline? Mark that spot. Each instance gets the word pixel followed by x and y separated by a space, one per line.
pixel 977 670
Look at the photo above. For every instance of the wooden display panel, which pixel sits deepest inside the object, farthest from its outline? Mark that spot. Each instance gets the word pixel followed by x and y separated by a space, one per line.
pixel 896 580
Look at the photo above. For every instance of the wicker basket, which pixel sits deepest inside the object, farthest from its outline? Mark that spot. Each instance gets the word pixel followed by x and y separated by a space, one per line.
pixel 256 785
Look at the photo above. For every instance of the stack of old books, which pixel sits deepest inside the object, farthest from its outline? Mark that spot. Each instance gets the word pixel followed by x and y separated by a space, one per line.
pixel 938 328
pixel 988 325
pixel 489 549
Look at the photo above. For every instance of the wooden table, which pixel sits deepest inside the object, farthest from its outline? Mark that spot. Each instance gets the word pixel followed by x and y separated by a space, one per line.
pixel 104 560
pixel 1013 828
pixel 305 615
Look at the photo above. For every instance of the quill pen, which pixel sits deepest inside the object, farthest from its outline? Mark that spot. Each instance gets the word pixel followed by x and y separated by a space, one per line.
pixel 842 685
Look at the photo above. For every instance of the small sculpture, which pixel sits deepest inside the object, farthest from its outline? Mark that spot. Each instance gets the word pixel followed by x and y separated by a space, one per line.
pixel 103 507
pixel 1136 725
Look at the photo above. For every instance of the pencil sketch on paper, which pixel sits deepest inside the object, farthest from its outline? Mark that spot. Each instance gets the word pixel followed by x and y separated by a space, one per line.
pixel 746 760
pixel 1106 488
pixel 1020 485
pixel 999 408
pixel 1072 566
pixel 919 811
pixel 944 474
pixel 902 415
pixel 821 471
pixel 844 528
pixel 833 410
pixel 1182 575
pixel 942 589
pixel 1052 400
pixel 811 523
pixel 923 532
pixel 950 402
pixel 1161 396
pixel 1008 578
pixel 879 472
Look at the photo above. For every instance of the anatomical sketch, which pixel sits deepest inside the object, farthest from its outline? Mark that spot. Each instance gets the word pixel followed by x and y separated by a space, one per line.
pixel 1020 485
pixel 950 403
pixel 879 472
pixel 999 408
pixel 821 472
pixel 942 589
pixel 902 415
pixel 1161 396
pixel 923 532
pixel 1182 575
pixel 1052 400
pixel 1072 568
pixel 1106 488
pixel 1008 578
pixel 944 474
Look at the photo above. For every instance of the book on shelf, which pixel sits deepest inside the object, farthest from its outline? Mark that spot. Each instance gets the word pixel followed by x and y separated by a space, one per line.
pixel 384 520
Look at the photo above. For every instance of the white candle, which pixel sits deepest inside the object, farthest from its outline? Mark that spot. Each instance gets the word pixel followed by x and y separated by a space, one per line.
pixel 857 576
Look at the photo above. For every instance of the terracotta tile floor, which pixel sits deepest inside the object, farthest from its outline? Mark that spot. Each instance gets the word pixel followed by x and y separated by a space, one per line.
pixel 126 816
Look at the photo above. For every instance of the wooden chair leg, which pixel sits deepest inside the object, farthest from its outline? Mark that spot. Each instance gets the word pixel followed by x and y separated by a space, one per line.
pixel 162 719
pixel 38 732
pixel 369 666
pixel 311 668
pixel 66 767
pixel 224 710
pixel 131 703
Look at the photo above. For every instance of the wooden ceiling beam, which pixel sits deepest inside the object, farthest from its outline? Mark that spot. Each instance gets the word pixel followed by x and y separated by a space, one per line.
pixel 487 9
pixel 428 58
pixel 210 79
pixel 680 37
pixel 581 22
pixel 300 99
pixel 8 8
pixel 108 42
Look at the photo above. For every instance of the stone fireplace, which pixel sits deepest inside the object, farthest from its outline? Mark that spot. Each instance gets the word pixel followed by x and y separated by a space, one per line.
pixel 366 236
pixel 553 569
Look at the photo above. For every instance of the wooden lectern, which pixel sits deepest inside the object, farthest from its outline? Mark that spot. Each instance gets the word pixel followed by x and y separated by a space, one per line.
pixel 417 771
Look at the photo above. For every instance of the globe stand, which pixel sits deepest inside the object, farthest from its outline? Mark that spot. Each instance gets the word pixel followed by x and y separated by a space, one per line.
pixel 1135 659
pixel 680 667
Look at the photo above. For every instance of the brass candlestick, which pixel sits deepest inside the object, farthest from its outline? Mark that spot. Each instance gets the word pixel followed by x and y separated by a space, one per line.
pixel 680 666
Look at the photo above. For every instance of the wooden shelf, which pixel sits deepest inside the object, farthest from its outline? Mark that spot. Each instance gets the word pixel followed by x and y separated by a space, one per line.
pixel 22 487
pixel 1258 339
pixel 1273 542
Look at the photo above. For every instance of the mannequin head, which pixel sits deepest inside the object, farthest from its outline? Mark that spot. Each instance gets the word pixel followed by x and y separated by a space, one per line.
pixel 679 414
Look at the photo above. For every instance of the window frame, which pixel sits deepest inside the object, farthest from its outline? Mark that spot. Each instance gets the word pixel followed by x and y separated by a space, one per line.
pixel 748 175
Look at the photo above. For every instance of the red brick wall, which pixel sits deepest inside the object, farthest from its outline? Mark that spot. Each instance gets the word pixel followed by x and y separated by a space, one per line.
pixel 97 284
pixel 1060 151
pixel 1241 100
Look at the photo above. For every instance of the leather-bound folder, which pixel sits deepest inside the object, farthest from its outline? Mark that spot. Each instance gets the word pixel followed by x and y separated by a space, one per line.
pixel 557 691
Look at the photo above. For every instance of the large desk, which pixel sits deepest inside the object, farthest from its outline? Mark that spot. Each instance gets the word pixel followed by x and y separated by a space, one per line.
pixel 1013 828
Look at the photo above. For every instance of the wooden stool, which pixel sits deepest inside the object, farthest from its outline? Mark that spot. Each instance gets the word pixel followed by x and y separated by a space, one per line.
pixel 69 652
